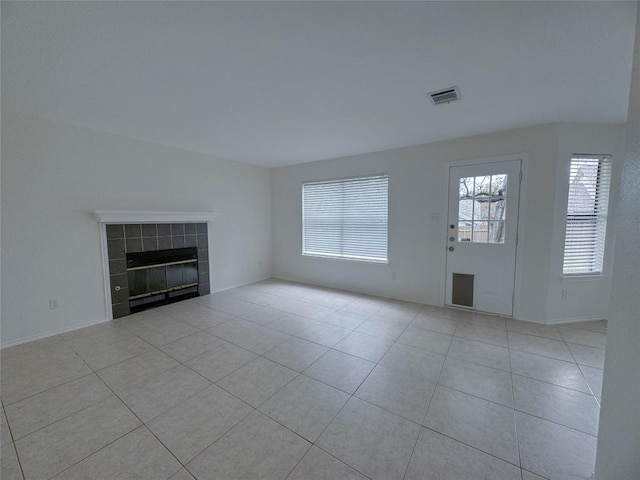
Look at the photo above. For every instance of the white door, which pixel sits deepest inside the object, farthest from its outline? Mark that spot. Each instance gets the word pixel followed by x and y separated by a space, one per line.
pixel 481 236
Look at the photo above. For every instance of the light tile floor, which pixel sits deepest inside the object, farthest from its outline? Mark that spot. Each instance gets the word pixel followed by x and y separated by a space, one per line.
pixel 283 380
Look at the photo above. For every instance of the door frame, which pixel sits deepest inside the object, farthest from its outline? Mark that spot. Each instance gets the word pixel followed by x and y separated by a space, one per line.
pixel 517 278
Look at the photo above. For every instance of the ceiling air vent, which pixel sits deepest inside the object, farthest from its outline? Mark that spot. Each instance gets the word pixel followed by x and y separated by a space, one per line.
pixel 447 95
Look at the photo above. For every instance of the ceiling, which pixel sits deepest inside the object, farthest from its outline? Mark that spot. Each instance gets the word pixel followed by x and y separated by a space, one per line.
pixel 279 83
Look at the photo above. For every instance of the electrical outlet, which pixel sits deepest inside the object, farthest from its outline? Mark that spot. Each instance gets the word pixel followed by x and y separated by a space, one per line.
pixel 394 276
pixel 53 303
pixel 435 217
pixel 564 294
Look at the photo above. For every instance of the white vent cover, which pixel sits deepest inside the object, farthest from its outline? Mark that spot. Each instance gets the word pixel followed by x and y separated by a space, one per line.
pixel 447 95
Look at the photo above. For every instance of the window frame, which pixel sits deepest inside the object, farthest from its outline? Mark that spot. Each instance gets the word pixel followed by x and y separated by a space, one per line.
pixel 342 257
pixel 598 218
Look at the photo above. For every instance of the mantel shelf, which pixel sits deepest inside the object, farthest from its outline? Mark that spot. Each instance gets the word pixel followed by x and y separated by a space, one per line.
pixel 142 216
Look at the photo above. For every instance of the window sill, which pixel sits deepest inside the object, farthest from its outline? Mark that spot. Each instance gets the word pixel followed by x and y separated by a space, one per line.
pixel 349 260
pixel 583 277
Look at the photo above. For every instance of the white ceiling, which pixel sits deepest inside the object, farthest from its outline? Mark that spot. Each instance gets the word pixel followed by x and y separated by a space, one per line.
pixel 274 83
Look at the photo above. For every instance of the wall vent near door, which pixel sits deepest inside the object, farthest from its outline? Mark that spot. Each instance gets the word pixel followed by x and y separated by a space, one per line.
pixel 447 95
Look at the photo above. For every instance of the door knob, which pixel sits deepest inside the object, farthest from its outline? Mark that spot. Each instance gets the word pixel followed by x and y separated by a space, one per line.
pixel 451 249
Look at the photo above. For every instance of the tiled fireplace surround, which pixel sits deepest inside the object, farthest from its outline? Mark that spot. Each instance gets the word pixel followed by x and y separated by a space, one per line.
pixel 123 238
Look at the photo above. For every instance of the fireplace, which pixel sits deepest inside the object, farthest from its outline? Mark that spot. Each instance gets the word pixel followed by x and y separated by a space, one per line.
pixel 161 276
pixel 151 264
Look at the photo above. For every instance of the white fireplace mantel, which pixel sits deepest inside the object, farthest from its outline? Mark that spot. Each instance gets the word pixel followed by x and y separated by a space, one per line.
pixel 144 216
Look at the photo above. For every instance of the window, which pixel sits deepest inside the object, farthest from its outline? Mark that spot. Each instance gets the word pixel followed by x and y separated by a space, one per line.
pixel 346 218
pixel 482 203
pixel 589 179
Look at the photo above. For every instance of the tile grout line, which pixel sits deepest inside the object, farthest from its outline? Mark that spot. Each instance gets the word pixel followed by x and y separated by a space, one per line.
pixel 212 384
pixel 142 424
pixel 48 389
pixel 253 409
pixel 13 441
pixel 526 376
pixel 313 444
pixel 472 447
pixel 579 368
pixel 351 396
pixel 554 384
pixel 424 417
pixel 331 386
pixel 460 441
pixel 257 409
pixel 556 423
pixel 515 416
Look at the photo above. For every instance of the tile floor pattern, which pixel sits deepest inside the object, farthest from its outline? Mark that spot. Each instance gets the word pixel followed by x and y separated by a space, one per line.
pixel 280 380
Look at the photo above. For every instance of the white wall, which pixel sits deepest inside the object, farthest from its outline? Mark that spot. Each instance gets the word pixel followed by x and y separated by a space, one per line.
pixel 618 455
pixel 417 189
pixel 54 175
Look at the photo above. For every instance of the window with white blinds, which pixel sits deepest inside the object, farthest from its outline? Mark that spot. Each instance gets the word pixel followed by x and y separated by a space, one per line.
pixel 346 218
pixel 589 180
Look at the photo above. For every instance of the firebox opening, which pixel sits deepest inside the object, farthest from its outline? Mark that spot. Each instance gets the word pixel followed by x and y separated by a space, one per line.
pixel 161 276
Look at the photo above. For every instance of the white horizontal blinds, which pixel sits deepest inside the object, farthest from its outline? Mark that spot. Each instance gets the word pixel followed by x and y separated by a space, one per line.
pixel 346 218
pixel 589 181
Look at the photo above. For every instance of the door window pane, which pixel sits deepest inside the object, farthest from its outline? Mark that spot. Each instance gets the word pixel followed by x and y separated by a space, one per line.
pixel 496 232
pixel 464 231
pixel 481 209
pixel 480 232
pixel 482 186
pixel 466 188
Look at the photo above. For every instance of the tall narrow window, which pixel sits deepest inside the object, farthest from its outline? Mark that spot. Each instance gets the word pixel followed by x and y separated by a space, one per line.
pixel 589 180
pixel 346 218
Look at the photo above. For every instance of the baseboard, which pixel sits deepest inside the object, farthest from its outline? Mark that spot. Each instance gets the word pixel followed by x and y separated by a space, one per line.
pixel 224 289
pixel 363 292
pixel 60 331
pixel 553 321
pixel 560 321
pixel 53 333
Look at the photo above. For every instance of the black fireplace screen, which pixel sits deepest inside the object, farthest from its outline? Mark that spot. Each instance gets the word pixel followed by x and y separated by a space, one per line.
pixel 160 275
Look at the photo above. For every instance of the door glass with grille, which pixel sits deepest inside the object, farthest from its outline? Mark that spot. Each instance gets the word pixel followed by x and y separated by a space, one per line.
pixel 481 208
